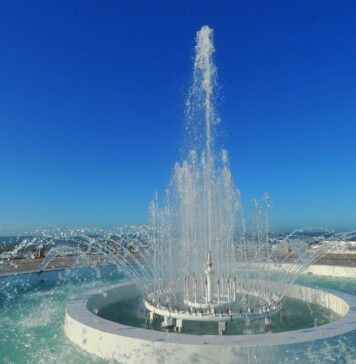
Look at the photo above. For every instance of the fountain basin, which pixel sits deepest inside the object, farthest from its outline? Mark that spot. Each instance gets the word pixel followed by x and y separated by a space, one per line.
pixel 111 340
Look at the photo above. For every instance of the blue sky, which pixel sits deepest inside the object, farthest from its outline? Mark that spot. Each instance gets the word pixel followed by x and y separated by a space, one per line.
pixel 92 106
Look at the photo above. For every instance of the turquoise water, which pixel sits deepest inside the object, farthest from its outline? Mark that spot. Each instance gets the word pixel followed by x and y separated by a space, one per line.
pixel 32 312
pixel 32 315
pixel 295 315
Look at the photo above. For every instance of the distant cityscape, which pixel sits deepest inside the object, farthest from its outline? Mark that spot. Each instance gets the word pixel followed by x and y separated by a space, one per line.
pixel 28 252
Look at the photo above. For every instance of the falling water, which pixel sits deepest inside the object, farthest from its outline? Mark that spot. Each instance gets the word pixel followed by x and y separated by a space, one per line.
pixel 201 212
pixel 201 203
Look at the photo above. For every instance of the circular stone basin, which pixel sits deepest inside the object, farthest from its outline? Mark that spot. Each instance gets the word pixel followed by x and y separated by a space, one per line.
pixel 128 344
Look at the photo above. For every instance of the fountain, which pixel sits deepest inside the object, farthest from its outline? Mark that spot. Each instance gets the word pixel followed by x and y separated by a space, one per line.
pixel 200 250
pixel 207 285
pixel 203 264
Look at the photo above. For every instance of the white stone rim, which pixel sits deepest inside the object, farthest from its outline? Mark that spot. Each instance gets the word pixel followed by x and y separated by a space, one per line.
pixel 78 313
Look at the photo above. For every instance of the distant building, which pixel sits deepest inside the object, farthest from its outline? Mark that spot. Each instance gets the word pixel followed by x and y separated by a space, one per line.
pixel 281 247
pixel 342 247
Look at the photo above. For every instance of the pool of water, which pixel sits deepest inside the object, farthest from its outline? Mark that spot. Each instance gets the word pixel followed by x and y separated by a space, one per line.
pixel 32 311
pixel 295 315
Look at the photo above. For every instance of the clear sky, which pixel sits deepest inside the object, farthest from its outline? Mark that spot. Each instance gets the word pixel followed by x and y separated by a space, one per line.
pixel 92 106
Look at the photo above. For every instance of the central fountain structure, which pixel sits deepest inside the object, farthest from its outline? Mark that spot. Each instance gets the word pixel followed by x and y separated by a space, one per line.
pixel 201 253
